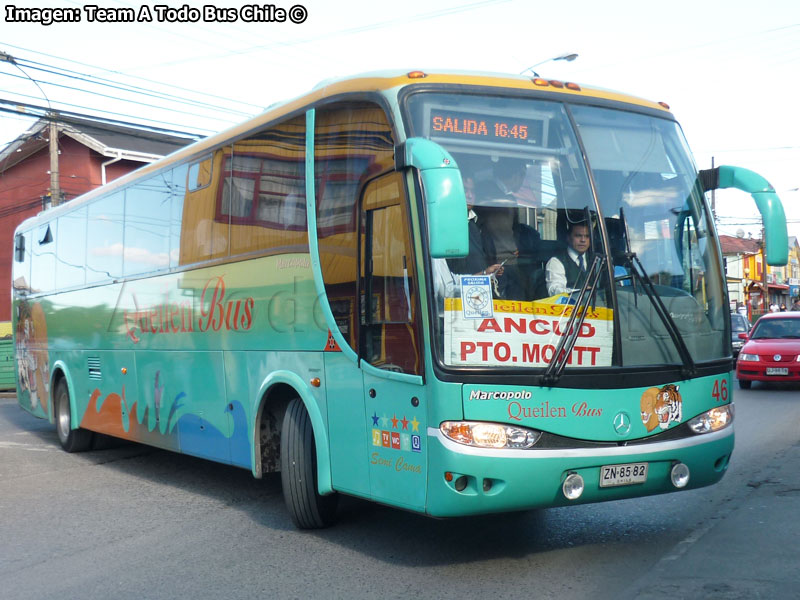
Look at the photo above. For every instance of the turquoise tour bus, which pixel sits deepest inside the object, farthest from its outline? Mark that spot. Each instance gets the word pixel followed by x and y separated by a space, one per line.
pixel 369 290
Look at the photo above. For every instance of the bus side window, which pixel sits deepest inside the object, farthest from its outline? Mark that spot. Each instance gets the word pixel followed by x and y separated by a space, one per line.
pixel 391 339
pixel 103 235
pixel 43 268
pixel 71 245
pixel 22 263
pixel 199 174
pixel 178 194
pixel 262 192
pixel 353 143
pixel 201 236
pixel 147 222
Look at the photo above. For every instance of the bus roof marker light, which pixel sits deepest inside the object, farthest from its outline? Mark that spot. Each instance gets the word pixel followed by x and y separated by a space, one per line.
pixel 416 75
pixel 572 86
pixel 573 486
pixel 556 83
pixel 540 82
pixel 664 104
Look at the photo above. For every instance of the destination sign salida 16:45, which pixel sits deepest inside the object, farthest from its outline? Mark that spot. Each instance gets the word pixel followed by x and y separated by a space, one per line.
pixel 463 125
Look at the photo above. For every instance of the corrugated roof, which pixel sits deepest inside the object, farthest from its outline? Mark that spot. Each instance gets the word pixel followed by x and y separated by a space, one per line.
pixel 108 139
pixel 737 245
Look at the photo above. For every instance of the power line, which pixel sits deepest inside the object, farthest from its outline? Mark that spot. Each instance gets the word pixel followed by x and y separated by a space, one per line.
pixel 45 116
pixel 131 89
pixel 108 112
pixel 98 94
pixel 166 85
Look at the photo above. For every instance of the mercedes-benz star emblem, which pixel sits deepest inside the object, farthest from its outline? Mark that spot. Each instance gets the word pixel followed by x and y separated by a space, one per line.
pixel 622 423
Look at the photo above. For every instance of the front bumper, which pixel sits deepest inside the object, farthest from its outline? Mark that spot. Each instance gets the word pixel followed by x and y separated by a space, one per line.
pixel 757 371
pixel 528 479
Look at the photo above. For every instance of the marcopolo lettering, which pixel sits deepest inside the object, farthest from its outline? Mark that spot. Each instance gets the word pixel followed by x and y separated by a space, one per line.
pixel 500 395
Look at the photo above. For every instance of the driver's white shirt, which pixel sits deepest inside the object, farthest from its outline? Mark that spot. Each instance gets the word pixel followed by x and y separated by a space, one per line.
pixel 556 277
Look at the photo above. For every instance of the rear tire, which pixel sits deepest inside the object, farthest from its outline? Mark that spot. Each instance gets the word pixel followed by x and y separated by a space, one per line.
pixel 745 384
pixel 72 440
pixel 308 509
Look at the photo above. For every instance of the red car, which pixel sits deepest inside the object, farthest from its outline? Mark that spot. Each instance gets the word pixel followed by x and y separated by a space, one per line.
pixel 771 351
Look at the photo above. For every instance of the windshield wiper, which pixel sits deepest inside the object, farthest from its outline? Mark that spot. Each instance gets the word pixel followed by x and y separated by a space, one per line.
pixel 567 342
pixel 637 270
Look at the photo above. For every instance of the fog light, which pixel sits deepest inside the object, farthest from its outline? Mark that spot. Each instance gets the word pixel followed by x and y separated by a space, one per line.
pixel 487 485
pixel 679 475
pixel 461 483
pixel 573 486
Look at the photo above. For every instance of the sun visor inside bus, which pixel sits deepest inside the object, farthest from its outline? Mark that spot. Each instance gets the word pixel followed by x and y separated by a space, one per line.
pixel 445 202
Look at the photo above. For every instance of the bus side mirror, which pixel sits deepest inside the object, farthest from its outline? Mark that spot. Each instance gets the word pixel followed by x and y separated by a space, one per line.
pixel 443 189
pixel 767 201
pixel 19 248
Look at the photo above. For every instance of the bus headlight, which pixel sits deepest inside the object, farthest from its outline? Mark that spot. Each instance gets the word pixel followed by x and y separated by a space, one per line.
pixel 490 435
pixel 712 420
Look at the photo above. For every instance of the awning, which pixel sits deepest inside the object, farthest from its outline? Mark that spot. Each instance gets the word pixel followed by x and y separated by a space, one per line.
pixel 778 286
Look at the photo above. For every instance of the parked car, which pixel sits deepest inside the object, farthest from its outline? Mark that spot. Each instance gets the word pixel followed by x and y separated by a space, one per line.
pixel 771 350
pixel 739 324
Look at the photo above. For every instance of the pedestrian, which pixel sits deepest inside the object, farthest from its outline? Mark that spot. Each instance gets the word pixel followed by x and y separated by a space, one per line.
pixel 783 307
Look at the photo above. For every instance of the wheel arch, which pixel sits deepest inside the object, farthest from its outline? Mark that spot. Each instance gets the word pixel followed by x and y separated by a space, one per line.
pixel 274 395
pixel 58 373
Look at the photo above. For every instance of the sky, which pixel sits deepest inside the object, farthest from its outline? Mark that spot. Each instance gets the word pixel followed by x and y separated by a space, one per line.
pixel 730 70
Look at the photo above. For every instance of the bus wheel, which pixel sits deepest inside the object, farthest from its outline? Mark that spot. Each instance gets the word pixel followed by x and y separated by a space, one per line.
pixel 72 440
pixel 745 384
pixel 308 509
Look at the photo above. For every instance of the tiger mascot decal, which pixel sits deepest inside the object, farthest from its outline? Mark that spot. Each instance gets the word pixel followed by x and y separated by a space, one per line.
pixel 660 407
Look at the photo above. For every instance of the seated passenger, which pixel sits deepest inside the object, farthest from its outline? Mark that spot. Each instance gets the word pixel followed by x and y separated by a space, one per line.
pixel 566 271
pixel 513 245
pixel 477 261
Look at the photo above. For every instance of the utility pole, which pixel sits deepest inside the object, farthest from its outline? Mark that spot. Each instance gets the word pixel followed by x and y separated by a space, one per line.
pixel 55 189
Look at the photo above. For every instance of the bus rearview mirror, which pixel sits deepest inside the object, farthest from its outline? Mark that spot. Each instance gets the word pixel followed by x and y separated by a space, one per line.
pixel 767 202
pixel 445 201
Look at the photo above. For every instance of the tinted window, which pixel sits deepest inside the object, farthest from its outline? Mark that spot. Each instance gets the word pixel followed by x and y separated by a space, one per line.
pixel 147 225
pixel 776 329
pixel 390 336
pixel 178 192
pixel 71 245
pixel 104 239
pixel 352 144
pixel 201 236
pixel 22 269
pixel 43 268
pixel 262 191
pixel 739 323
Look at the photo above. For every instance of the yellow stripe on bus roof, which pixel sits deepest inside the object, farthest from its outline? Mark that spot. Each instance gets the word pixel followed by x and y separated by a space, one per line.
pixel 379 81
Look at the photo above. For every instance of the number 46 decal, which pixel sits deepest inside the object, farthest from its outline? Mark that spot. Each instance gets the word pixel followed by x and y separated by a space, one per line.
pixel 720 391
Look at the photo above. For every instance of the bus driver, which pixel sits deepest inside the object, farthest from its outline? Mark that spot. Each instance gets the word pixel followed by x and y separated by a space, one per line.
pixel 566 271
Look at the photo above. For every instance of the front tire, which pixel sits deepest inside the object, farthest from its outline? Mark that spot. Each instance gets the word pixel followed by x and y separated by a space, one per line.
pixel 745 384
pixel 308 509
pixel 72 440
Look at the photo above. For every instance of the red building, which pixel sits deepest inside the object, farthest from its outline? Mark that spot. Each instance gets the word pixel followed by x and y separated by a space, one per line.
pixel 89 154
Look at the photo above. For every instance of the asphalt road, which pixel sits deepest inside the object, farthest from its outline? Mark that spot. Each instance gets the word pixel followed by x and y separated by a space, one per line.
pixel 134 522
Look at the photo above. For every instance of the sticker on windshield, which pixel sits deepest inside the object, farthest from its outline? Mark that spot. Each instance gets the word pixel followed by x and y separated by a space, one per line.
pixel 522 334
pixel 476 297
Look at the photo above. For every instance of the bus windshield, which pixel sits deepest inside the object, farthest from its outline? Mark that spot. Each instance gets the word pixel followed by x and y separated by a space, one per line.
pixel 554 190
